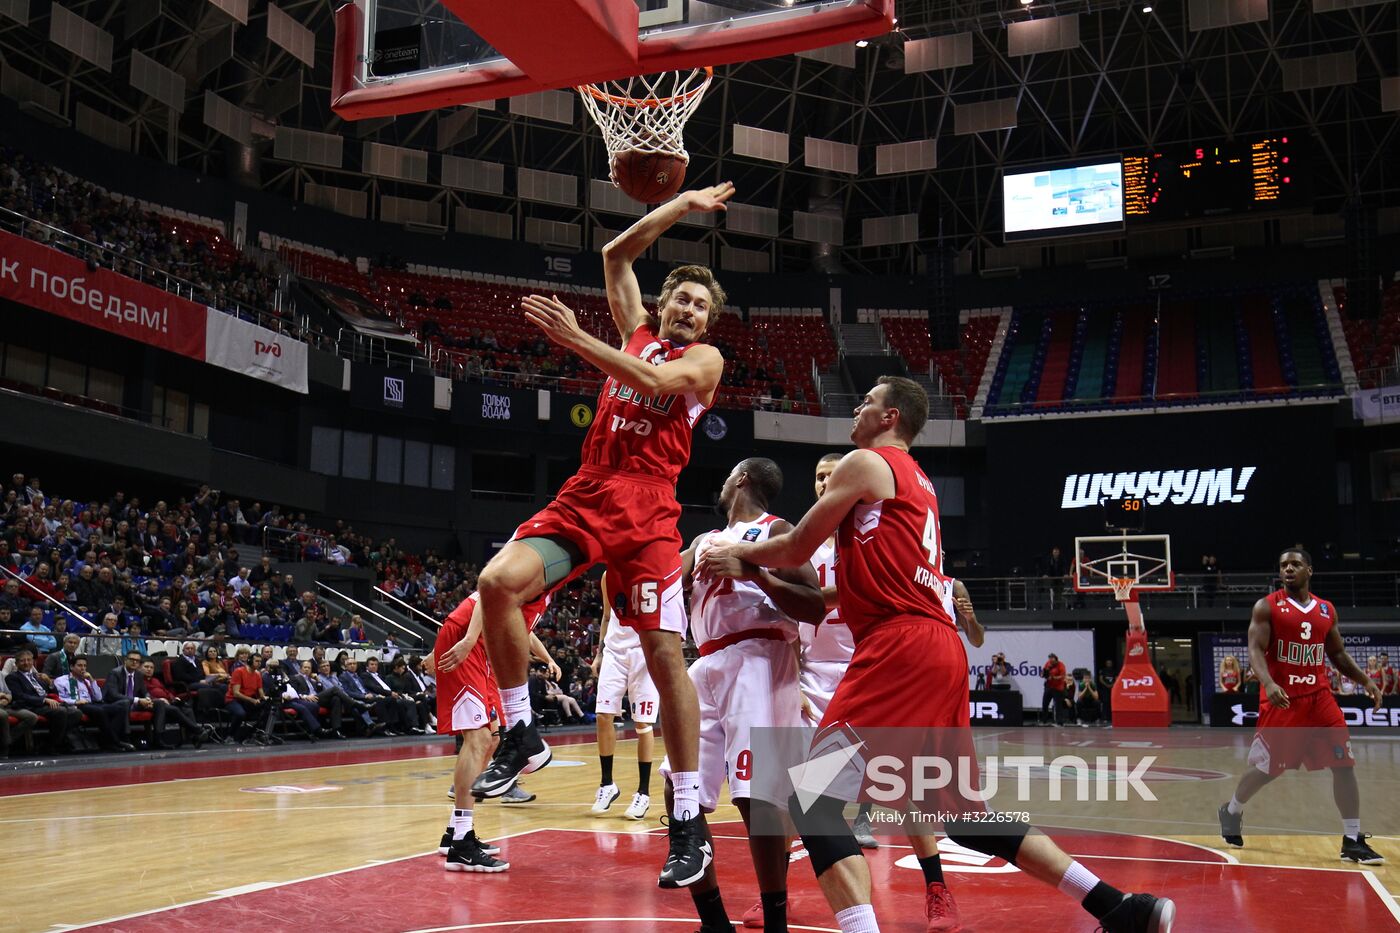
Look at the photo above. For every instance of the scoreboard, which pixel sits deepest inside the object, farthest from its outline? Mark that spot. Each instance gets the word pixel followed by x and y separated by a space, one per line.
pixel 1217 178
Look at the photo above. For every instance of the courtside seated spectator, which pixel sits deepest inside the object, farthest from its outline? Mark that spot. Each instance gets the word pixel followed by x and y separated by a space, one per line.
pixel 105 641
pixel 23 729
pixel 401 709
pixel 60 662
pixel 79 690
pixel 29 690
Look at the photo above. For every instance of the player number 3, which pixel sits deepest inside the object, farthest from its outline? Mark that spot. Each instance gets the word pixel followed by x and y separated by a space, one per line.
pixel 1307 631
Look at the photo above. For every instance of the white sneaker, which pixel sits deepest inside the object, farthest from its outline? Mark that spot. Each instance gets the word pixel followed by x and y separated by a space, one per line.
pixel 606 795
pixel 637 810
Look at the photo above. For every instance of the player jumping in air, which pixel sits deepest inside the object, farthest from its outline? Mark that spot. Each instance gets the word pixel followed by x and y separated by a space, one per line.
pixel 909 668
pixel 1291 632
pixel 620 508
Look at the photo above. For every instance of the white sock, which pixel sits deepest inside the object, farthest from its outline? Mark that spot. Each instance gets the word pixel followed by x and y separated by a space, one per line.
pixel 1352 828
pixel 1234 807
pixel 461 823
pixel 685 794
pixel 516 701
pixel 1078 882
pixel 857 919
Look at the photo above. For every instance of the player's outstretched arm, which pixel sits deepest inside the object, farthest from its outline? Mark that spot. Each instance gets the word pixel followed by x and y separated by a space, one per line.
pixel 624 294
pixel 1260 632
pixel 861 476
pixel 1346 666
pixel 697 373
pixel 794 590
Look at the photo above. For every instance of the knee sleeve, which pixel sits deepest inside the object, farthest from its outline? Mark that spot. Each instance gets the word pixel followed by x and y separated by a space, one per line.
pixel 643 728
pixel 826 835
pixel 560 557
pixel 1002 840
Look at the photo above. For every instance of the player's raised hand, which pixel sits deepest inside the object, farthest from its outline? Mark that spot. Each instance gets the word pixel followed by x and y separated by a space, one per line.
pixel 1278 697
pixel 712 199
pixel 555 318
pixel 963 606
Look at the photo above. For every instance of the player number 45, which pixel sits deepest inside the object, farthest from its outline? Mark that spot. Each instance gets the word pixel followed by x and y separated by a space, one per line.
pixel 644 597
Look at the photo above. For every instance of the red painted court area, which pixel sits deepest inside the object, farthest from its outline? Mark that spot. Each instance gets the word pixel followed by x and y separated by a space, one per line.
pixel 585 880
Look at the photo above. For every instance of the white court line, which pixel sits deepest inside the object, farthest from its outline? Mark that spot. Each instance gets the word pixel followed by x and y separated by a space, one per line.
pixel 265 886
pixel 1386 897
pixel 555 920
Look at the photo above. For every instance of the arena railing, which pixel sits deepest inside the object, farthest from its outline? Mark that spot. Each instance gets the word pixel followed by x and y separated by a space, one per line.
pixel 285 544
pixel 1037 593
pixel 1164 400
pixel 134 268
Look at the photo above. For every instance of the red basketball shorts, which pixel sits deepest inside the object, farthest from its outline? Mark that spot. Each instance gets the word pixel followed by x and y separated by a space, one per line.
pixel 1311 733
pixel 466 696
pixel 904 674
pixel 628 522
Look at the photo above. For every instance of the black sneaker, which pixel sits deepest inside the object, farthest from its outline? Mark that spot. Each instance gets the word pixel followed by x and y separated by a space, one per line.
pixel 690 854
pixel 1231 826
pixel 1140 913
pixel 1357 850
pixel 445 844
pixel 521 751
pixel 468 854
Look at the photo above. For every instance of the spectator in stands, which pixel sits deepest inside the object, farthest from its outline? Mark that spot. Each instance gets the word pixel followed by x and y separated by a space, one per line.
pixel 401 709
pixel 170 706
pixel 1086 697
pixel 1210 569
pixel 77 689
pixel 1108 675
pixel 407 685
pixel 391 648
pixel 262 573
pixel 1053 701
pixel 245 700
pixel 568 707
pixel 42 580
pixel 304 631
pixel 29 690
pixel 9 630
pixel 23 729
pixel 181 621
pixel 328 628
pixel 355 634
pixel 12 597
pixel 37 632
pixel 328 686
pixel 105 641
pixel 159 620
pixel 85 589
pixel 239 582
pixel 133 640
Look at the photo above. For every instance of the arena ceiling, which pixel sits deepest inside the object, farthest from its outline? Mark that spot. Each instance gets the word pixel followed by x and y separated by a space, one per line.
pixel 1132 81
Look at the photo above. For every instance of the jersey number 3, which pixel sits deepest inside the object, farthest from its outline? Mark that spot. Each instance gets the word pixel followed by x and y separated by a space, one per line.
pixel 1307 630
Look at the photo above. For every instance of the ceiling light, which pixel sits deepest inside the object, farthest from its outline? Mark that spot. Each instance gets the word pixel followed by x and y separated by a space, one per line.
pixel 1025 2
pixel 862 43
pixel 1147 8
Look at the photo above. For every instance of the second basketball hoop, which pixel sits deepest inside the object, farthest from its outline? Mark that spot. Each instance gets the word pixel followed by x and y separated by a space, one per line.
pixel 643 123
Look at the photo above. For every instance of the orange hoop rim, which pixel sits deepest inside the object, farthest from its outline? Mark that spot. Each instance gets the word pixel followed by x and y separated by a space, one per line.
pixel 621 100
pixel 1122 586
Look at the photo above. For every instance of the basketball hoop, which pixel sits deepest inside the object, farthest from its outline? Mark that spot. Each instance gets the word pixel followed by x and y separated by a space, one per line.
pixel 1122 588
pixel 647 113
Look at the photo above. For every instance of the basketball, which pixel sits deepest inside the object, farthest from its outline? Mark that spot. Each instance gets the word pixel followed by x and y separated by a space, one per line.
pixel 648 177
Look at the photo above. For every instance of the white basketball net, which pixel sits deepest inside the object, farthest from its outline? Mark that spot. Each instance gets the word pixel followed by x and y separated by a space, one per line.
pixel 646 113
pixel 1122 588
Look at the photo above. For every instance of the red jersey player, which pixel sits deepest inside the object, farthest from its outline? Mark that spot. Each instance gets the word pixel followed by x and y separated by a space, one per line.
pixel 1292 635
pixel 467 703
pixel 909 667
pixel 621 509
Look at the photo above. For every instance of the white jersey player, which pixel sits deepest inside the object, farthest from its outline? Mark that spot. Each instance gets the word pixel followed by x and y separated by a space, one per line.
pixel 621 668
pixel 742 620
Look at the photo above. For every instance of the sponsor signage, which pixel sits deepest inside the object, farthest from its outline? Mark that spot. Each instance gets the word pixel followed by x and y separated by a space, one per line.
pixel 571 414
pixel 1377 404
pixel 1242 709
pixel 995 708
pixel 396 391
pixel 1199 474
pixel 496 406
pixel 1213 648
pixel 52 281
pixel 1026 652
pixel 255 351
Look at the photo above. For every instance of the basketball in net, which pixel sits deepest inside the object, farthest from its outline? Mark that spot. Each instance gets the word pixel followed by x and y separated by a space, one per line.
pixel 643 123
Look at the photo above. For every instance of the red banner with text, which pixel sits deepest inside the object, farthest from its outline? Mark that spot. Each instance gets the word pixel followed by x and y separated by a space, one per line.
pixel 44 278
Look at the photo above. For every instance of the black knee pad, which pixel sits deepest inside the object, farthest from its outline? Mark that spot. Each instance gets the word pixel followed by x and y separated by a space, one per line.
pixel 1002 840
pixel 826 835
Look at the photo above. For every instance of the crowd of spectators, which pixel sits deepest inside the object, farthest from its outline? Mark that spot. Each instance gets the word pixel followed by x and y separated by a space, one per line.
pixel 130 241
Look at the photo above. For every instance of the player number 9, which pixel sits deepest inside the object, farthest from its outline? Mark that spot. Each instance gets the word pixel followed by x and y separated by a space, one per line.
pixel 743 765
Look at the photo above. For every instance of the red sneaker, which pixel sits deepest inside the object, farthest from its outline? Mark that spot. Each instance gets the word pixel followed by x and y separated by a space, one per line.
pixel 941 910
pixel 753 917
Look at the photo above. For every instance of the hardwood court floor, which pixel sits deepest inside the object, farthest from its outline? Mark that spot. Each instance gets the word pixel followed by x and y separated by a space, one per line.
pixel 328 841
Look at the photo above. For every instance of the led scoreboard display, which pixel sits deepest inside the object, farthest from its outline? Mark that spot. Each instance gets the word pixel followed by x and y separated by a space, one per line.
pixel 1216 178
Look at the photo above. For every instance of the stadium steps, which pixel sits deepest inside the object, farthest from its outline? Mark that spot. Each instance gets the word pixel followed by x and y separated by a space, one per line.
pixel 864 339
pixel 1093 363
